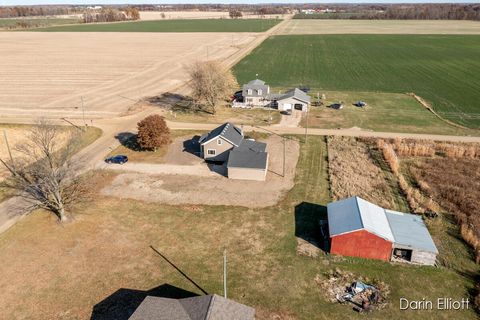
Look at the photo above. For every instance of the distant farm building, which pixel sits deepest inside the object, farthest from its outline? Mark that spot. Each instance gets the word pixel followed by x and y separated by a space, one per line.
pixel 257 94
pixel 362 229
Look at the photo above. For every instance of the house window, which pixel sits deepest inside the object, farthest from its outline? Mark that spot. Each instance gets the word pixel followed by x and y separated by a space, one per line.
pixel 219 142
pixel 259 92
pixel 249 91
pixel 211 152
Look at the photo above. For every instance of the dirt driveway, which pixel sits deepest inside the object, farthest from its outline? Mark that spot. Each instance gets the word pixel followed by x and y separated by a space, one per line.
pixel 178 187
pixel 290 121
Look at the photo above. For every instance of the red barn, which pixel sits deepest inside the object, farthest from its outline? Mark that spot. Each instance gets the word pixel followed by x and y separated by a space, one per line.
pixel 359 229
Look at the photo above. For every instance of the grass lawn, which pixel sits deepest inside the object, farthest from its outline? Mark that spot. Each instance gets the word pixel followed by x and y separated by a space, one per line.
pixel 194 25
pixel 13 23
pixel 132 150
pixel 104 260
pixel 223 114
pixel 386 112
pixel 443 69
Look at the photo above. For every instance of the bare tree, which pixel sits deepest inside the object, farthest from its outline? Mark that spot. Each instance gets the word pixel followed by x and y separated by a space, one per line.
pixel 45 176
pixel 211 84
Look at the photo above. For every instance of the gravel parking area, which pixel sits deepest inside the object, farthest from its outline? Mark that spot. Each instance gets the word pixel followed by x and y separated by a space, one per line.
pixel 178 187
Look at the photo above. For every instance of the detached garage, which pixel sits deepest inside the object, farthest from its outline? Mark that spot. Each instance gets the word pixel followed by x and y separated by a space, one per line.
pixel 362 229
pixel 248 162
pixel 294 99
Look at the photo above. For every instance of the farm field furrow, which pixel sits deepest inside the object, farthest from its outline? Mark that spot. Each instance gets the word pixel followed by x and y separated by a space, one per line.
pixel 182 25
pixel 51 72
pixel 443 69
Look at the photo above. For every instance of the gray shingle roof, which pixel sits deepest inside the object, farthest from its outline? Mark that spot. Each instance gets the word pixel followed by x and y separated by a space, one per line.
pixel 255 85
pixel 256 82
pixel 210 307
pixel 297 94
pixel 250 154
pixel 227 131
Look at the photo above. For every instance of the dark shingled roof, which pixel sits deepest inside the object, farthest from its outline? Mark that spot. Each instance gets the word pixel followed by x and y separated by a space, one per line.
pixel 227 131
pixel 211 307
pixel 250 154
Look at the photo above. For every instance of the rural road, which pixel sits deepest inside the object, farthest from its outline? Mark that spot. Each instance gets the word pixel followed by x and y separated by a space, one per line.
pixel 354 132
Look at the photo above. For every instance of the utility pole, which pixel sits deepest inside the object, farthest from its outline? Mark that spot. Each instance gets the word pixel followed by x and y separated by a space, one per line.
pixel 8 147
pixel 83 115
pixel 284 156
pixel 306 126
pixel 225 273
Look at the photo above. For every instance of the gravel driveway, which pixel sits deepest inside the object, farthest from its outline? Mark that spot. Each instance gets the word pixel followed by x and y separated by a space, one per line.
pixel 175 184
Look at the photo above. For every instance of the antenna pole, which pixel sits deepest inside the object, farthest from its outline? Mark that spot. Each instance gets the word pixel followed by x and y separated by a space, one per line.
pixel 225 273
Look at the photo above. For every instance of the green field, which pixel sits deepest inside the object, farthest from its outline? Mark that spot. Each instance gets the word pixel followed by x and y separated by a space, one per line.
pixel 443 69
pixel 385 112
pixel 194 25
pixel 18 23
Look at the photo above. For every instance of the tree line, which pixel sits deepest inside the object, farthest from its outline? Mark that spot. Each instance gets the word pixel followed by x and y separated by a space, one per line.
pixel 110 15
pixel 33 11
pixel 399 12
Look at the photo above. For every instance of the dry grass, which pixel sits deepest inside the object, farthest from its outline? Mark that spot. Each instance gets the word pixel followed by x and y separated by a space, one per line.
pixel 455 185
pixel 353 171
pixel 446 176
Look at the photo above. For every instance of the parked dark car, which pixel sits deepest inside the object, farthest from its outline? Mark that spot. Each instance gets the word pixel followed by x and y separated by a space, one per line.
pixel 305 89
pixel 286 112
pixel 336 106
pixel 238 96
pixel 119 159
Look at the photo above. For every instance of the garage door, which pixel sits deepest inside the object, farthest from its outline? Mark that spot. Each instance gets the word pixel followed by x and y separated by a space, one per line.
pixel 287 106
pixel 298 106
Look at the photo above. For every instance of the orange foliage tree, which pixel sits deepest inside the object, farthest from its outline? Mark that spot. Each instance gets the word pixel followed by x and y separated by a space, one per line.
pixel 153 132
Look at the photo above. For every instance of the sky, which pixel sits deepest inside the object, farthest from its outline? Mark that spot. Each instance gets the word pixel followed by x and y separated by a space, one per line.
pixel 34 2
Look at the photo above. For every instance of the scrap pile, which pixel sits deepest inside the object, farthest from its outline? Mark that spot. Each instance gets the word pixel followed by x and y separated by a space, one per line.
pixel 344 287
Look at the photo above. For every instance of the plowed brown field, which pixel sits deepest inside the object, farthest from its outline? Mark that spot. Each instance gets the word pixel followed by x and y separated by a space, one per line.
pixel 48 73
